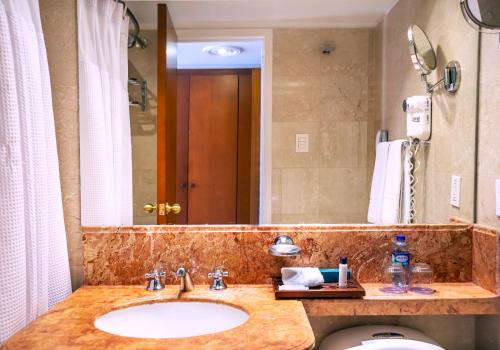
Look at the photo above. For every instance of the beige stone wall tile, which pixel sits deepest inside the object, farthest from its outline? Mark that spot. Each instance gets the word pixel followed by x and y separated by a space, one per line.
pixel 145 184
pixel 296 99
pixel 489 134
pixel 343 144
pixel 76 275
pixel 142 66
pixel 453 131
pixel 293 41
pixel 343 192
pixel 284 155
pixel 352 51
pixel 299 63
pixel 276 199
pixel 60 31
pixel 60 28
pixel 300 191
pixel 327 97
pixel 344 97
pixel 297 218
pixel 144 152
pixel 150 219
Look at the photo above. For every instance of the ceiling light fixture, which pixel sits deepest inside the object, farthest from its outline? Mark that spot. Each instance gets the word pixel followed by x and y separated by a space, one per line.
pixel 223 50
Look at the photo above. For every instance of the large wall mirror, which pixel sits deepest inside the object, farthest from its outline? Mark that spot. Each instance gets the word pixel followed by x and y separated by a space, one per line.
pixel 299 120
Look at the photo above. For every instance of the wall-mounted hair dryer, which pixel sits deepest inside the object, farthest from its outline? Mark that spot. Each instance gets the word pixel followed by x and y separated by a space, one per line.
pixel 418 117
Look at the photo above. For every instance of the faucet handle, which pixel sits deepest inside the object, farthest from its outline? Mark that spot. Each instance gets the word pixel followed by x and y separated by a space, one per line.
pixel 218 275
pixel 154 280
pixel 155 274
pixel 218 272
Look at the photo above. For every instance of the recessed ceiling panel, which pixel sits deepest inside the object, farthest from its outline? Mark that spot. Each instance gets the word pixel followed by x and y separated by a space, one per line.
pixel 191 55
pixel 265 13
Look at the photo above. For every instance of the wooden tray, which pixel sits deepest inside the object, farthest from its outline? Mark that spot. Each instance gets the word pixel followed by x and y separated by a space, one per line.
pixel 326 290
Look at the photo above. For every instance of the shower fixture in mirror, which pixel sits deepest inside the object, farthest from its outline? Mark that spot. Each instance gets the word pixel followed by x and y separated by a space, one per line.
pixel 424 61
pixel 482 15
pixel 225 139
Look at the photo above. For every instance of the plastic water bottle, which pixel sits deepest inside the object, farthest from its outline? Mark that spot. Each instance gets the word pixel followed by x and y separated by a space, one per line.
pixel 401 256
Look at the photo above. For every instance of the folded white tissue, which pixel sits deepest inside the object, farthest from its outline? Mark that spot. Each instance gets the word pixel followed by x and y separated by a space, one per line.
pixel 303 276
pixel 292 287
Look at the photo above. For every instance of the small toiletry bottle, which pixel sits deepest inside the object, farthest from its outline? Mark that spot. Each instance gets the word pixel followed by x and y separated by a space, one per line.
pixel 343 272
pixel 401 256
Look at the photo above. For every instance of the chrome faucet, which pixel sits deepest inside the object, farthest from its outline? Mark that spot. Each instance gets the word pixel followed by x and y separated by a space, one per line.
pixel 154 280
pixel 218 275
pixel 186 281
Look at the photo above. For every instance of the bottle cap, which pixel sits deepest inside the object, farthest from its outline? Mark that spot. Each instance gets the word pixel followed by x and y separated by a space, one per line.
pixel 343 260
pixel 400 238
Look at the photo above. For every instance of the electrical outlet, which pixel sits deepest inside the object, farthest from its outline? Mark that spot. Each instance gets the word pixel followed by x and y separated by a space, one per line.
pixel 456 182
pixel 497 185
pixel 301 143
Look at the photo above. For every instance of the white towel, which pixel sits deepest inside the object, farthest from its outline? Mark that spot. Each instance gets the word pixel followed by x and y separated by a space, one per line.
pixel 304 276
pixel 377 191
pixel 391 207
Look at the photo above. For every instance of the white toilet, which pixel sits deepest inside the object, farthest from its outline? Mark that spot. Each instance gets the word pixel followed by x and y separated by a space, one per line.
pixel 379 338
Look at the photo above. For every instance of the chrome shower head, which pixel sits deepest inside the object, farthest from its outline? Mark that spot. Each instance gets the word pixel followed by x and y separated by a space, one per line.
pixel 327 49
pixel 140 42
pixel 137 41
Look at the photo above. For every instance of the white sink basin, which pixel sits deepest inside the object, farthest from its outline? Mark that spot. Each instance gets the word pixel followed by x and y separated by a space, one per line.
pixel 171 320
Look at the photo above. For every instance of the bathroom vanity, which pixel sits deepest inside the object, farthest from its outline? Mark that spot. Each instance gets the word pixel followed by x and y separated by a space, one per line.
pixel 465 282
pixel 272 324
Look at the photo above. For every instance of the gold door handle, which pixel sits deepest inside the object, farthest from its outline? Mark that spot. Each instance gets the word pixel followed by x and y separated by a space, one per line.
pixel 174 208
pixel 163 208
pixel 149 208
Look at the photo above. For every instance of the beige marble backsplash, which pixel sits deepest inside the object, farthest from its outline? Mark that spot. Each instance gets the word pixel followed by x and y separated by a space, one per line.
pixel 325 96
pixel 451 151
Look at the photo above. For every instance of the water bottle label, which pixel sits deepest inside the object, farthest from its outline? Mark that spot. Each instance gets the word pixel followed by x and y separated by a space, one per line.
pixel 402 258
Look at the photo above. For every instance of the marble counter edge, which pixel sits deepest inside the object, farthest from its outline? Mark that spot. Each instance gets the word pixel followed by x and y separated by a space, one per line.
pixel 452 299
pixel 147 229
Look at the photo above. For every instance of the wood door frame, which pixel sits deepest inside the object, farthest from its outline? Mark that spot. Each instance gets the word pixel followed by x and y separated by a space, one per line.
pixel 266 36
pixel 248 139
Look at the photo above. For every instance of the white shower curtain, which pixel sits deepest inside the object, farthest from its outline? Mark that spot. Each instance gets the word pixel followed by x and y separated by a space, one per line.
pixel 105 140
pixel 34 269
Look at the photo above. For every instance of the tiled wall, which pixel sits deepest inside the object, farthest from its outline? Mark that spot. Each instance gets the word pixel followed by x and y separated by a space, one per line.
pixel 489 129
pixel 453 131
pixel 489 167
pixel 60 31
pixel 325 96
pixel 142 66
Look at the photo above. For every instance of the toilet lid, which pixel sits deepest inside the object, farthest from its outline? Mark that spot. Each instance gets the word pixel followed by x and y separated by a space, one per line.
pixel 395 344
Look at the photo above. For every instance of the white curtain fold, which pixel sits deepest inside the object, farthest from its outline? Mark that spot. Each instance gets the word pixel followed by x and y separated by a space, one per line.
pixel 34 266
pixel 105 140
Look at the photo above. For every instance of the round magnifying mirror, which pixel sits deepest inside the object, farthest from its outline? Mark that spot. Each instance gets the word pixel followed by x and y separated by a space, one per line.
pixel 422 53
pixel 483 15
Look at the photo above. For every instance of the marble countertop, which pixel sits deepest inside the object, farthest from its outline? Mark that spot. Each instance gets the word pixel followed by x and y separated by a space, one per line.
pixel 273 324
pixel 449 299
pixel 69 325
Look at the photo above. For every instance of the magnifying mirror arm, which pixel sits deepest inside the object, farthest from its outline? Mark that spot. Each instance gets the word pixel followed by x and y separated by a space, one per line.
pixel 450 80
pixel 431 87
